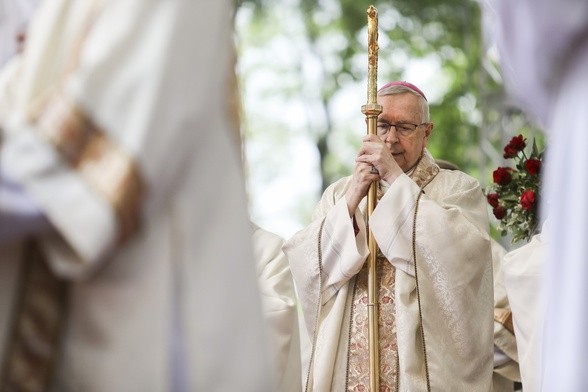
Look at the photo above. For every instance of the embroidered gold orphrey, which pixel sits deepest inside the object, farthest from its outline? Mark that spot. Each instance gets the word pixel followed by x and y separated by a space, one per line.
pixel 358 349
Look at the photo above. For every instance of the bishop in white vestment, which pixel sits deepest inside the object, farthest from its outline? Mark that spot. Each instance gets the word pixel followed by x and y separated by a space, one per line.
pixel 448 247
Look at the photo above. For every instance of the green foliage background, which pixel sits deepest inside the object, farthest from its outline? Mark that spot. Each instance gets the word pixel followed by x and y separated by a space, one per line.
pixel 472 119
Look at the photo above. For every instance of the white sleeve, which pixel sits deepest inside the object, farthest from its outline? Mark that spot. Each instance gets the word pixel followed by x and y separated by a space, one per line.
pixel 279 306
pixel 109 141
pixel 343 252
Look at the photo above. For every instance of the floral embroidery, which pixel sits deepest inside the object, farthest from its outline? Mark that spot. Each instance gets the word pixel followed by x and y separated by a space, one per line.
pixel 358 366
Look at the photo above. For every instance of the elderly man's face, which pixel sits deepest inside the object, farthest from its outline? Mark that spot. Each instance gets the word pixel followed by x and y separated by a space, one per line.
pixel 404 109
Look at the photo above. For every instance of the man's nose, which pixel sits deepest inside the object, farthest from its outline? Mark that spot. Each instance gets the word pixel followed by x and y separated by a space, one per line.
pixel 392 136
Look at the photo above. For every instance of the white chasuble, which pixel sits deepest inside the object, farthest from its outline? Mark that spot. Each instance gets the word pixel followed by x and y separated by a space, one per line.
pixel 454 266
pixel 279 307
pixel 524 271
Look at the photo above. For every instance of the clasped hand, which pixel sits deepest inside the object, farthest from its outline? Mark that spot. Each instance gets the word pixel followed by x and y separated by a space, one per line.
pixel 373 153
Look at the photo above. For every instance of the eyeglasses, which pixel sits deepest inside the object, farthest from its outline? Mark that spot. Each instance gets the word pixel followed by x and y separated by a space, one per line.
pixel 403 129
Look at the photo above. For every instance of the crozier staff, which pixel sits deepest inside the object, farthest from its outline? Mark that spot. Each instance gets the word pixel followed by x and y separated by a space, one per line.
pixel 447 341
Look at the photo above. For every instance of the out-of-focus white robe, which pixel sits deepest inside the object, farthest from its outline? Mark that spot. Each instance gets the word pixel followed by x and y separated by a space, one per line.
pixel 506 372
pixel 279 307
pixel 523 277
pixel 544 55
pixel 455 280
pixel 121 110
pixel 14 18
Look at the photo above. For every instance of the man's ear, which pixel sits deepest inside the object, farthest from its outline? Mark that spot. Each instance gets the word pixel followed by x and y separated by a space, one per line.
pixel 429 129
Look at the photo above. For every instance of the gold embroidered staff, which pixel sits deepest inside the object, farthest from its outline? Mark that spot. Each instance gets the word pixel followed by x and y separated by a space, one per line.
pixel 371 110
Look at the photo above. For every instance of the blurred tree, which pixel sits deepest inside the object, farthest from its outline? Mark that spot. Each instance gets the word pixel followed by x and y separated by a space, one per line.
pixel 316 52
pixel 447 32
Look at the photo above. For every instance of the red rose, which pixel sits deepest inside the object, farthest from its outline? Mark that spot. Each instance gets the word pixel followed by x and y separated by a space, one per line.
pixel 492 199
pixel 533 166
pixel 510 152
pixel 516 144
pixel 499 212
pixel 502 175
pixel 528 199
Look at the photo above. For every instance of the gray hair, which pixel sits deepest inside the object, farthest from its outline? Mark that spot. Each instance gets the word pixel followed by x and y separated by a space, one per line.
pixel 399 89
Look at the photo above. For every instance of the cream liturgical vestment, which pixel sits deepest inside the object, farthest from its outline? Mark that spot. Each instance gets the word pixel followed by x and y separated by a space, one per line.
pixel 118 122
pixel 279 307
pixel 543 47
pixel 523 277
pixel 506 365
pixel 454 268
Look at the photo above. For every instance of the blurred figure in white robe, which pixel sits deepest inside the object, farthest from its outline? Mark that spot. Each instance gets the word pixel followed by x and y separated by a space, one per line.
pixel 279 306
pixel 543 46
pixel 127 263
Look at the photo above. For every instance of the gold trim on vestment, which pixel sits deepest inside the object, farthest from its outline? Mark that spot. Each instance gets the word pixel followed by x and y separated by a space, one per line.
pixel 315 332
pixel 425 170
pixel 109 170
pixel 31 354
pixel 504 317
pixel 357 377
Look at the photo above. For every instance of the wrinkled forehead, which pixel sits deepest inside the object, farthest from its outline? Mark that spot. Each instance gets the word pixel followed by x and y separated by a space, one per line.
pixel 399 107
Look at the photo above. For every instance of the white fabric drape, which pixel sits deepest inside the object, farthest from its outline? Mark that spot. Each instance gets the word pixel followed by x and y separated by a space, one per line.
pixel 15 16
pixel 455 281
pixel 544 54
pixel 154 77
pixel 523 276
pixel 279 307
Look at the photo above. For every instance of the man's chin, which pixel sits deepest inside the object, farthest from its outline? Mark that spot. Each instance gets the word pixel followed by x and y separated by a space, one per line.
pixel 400 161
